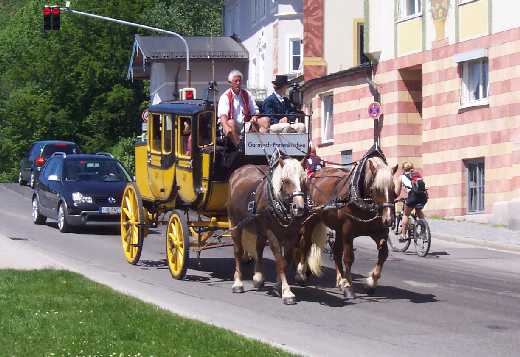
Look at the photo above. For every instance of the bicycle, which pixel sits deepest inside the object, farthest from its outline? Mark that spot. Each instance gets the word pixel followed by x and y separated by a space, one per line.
pixel 418 231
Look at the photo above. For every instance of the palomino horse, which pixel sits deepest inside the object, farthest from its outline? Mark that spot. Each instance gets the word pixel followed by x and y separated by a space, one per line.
pixel 330 188
pixel 256 200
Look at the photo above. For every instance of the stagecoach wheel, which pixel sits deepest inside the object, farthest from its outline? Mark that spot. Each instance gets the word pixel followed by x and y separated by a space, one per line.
pixel 132 224
pixel 394 237
pixel 422 238
pixel 178 245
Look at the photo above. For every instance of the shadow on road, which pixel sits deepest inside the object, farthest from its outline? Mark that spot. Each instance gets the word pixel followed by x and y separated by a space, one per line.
pixel 320 290
pixel 106 230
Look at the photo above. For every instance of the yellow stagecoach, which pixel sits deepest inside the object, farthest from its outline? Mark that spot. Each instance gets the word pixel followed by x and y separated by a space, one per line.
pixel 183 167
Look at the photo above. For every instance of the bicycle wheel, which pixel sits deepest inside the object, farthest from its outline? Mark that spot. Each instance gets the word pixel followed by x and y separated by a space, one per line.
pixel 394 238
pixel 422 237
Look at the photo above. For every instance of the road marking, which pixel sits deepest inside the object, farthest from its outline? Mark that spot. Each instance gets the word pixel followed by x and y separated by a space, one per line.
pixel 419 284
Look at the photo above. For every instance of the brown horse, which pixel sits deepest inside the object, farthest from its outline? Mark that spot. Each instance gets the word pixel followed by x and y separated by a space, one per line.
pixel 254 220
pixel 329 188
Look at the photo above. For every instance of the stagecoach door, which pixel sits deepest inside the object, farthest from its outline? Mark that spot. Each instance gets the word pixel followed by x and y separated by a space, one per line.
pixel 161 171
pixel 184 159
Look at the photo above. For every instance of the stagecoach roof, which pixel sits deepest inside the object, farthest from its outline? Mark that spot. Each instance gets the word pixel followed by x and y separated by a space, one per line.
pixel 179 107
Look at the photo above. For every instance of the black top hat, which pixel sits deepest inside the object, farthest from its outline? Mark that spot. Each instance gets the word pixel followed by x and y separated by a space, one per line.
pixel 280 80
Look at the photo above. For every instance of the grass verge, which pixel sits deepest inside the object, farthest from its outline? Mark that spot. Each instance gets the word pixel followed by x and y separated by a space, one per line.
pixel 59 313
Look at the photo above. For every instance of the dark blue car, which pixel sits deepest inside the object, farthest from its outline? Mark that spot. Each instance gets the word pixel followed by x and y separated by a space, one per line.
pixel 33 161
pixel 78 190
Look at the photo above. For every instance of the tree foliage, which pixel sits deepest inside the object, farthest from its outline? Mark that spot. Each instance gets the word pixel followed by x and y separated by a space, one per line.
pixel 71 84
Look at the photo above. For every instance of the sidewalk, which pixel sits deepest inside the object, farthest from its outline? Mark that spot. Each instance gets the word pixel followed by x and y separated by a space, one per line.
pixel 483 235
pixel 19 254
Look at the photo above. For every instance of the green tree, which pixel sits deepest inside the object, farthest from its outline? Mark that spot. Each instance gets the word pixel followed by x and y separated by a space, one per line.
pixel 71 84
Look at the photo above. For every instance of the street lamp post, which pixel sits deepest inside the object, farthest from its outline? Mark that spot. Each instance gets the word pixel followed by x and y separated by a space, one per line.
pixel 122 22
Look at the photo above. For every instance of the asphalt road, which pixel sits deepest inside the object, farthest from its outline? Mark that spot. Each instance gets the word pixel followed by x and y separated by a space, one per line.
pixel 460 300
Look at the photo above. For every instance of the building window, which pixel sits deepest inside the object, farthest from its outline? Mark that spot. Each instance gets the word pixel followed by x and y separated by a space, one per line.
pixel 474 86
pixel 409 8
pixel 361 58
pixel 475 185
pixel 346 158
pixel 295 57
pixel 327 119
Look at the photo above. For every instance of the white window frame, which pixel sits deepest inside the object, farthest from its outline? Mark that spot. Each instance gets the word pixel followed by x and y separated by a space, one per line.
pixel 327 117
pixel 465 83
pixel 402 10
pixel 476 169
pixel 291 55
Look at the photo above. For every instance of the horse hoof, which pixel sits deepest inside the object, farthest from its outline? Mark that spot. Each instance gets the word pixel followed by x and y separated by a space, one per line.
pixel 238 289
pixel 371 291
pixel 289 300
pixel 258 284
pixel 349 293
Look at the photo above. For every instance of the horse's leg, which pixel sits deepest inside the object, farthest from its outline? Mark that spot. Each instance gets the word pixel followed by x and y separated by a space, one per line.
pixel 304 248
pixel 348 259
pixel 338 252
pixel 258 277
pixel 375 274
pixel 344 257
pixel 288 297
pixel 238 286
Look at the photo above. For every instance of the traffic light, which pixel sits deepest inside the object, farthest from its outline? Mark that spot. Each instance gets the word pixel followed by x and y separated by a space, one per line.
pixel 47 14
pixel 51 18
pixel 56 18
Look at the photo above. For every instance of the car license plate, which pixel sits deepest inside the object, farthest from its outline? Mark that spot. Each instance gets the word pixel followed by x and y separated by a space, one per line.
pixel 110 210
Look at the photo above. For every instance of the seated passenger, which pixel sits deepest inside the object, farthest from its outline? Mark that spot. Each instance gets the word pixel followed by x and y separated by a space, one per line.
pixel 186 137
pixel 236 106
pixel 277 105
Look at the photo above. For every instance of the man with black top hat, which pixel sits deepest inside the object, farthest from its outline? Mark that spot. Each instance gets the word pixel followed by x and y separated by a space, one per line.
pixel 277 103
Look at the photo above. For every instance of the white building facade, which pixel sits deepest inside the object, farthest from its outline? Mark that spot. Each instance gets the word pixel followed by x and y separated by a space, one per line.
pixel 272 33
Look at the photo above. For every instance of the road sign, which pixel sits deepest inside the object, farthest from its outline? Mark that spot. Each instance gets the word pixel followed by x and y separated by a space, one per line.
pixel 144 115
pixel 374 110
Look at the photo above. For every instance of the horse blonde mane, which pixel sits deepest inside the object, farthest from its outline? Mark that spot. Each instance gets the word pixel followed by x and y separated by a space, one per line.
pixel 383 178
pixel 291 170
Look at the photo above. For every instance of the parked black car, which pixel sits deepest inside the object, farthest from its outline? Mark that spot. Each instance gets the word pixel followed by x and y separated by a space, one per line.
pixel 78 190
pixel 36 156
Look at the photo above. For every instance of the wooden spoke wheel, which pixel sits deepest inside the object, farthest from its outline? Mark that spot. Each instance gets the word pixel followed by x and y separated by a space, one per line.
pixel 132 223
pixel 178 244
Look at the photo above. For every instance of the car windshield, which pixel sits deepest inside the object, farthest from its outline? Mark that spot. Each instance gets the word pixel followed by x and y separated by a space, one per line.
pixel 66 148
pixel 94 170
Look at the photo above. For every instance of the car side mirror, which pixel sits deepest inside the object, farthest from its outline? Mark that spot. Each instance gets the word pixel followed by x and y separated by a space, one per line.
pixel 53 178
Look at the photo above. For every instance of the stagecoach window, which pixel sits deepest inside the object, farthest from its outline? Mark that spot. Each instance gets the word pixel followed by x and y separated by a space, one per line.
pixel 205 128
pixel 156 133
pixel 168 127
pixel 185 136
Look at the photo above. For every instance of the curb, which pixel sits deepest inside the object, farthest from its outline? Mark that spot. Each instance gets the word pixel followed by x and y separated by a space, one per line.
pixel 477 242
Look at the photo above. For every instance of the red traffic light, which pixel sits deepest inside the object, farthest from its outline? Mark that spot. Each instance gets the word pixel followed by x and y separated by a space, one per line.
pixel 51 17
pixel 189 94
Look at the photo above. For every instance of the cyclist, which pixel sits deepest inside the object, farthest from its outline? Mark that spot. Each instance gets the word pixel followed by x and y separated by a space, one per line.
pixel 415 197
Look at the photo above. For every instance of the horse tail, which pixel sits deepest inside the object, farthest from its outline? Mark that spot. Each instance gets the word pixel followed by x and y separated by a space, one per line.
pixel 318 238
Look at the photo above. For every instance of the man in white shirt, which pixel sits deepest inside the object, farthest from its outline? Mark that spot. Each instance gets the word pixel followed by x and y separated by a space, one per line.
pixel 236 106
